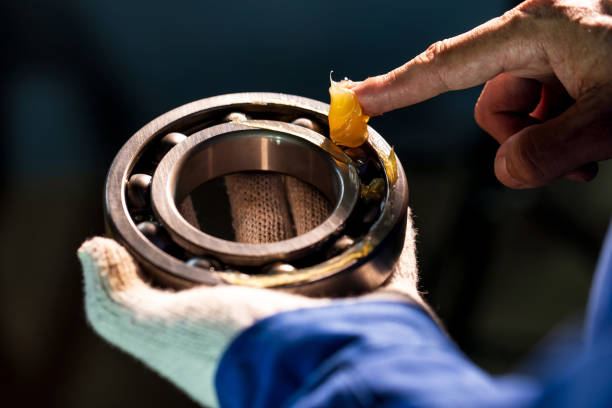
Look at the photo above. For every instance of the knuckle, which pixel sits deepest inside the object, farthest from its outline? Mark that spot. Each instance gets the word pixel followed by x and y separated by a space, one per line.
pixel 537 8
pixel 388 78
pixel 480 114
pixel 516 23
pixel 483 114
pixel 435 50
pixel 513 16
pixel 435 56
pixel 557 10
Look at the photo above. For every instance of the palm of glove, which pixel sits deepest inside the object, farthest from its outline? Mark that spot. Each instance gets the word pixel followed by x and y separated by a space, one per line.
pixel 182 335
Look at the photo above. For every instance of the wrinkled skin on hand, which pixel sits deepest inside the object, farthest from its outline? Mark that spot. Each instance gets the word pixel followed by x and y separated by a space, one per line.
pixel 548 93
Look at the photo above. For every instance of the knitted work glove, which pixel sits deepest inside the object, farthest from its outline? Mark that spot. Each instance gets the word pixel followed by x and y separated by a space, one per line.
pixel 183 334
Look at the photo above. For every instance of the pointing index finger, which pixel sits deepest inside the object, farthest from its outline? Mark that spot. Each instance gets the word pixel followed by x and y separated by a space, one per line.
pixel 504 44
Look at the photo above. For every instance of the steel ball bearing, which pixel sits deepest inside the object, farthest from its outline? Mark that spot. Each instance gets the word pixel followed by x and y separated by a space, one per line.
pixel 351 252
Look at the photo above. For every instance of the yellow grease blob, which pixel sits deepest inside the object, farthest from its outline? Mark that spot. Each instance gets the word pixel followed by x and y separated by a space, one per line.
pixel 348 126
pixel 390 163
pixel 373 191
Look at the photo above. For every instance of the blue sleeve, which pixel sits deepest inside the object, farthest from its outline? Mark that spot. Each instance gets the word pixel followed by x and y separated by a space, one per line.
pixel 357 355
pixel 599 313
pixel 362 354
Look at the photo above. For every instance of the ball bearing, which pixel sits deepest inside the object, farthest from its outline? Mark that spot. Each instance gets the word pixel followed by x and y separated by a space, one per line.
pixel 351 252
pixel 138 191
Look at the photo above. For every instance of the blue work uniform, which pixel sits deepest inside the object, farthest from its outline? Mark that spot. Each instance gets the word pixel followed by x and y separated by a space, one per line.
pixel 392 354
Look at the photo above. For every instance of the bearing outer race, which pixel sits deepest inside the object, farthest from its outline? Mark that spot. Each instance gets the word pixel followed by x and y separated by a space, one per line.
pixel 354 271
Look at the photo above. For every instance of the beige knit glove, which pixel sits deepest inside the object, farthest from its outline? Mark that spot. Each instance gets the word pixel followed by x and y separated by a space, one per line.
pixel 182 335
pixel 271 207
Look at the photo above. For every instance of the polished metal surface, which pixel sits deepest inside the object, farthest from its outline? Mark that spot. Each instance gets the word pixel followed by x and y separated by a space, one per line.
pixel 254 146
pixel 356 264
pixel 168 142
pixel 139 190
pixel 307 123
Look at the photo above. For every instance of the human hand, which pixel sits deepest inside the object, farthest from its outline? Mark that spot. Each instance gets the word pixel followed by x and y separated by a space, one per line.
pixel 548 96
pixel 182 335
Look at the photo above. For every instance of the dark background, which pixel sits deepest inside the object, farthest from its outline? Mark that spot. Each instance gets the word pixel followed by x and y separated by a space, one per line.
pixel 501 267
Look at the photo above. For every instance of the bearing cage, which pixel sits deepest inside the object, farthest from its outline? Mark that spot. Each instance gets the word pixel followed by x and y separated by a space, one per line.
pixel 331 271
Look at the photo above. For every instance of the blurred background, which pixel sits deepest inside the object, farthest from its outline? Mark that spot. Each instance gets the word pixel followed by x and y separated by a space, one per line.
pixel 502 268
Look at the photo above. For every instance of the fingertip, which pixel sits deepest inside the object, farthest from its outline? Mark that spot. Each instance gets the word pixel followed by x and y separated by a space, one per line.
pixel 504 106
pixel 577 177
pixel 105 261
pixel 89 254
pixel 503 175
pixel 366 92
pixel 584 174
pixel 88 247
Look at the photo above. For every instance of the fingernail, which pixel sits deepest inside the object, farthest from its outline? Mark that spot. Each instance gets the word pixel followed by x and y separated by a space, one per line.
pixel 502 174
pixel 367 100
pixel 583 174
pixel 578 176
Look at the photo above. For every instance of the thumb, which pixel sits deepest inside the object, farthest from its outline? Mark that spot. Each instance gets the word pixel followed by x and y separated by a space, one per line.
pixel 181 335
pixel 564 146
pixel 108 265
pixel 158 327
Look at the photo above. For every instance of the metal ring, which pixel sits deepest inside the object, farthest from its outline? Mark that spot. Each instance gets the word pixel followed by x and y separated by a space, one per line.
pixel 248 146
pixel 357 261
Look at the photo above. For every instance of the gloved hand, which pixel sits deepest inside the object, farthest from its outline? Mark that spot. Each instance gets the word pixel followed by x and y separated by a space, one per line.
pixel 183 334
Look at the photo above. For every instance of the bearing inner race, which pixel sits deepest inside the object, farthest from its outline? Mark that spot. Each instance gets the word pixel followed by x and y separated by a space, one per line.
pixel 253 146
